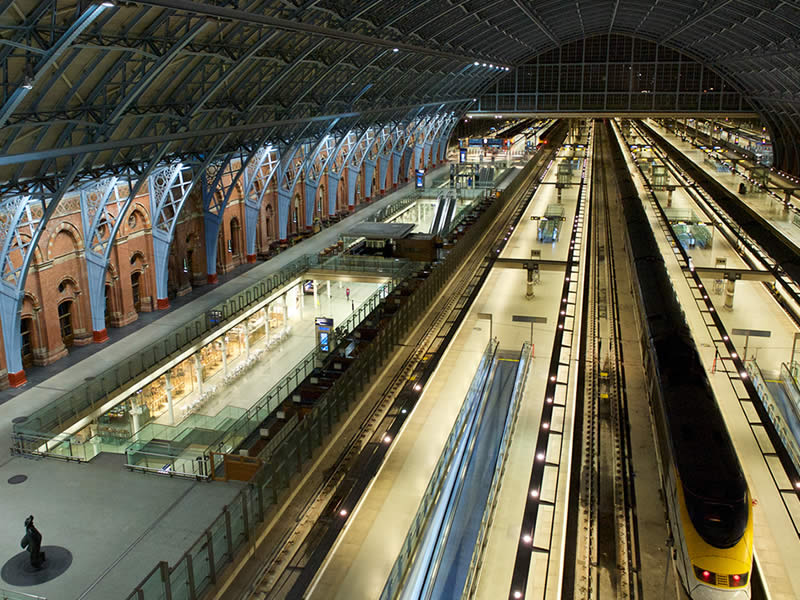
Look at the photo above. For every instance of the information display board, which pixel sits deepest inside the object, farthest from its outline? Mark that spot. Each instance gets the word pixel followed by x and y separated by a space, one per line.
pixel 324 328
pixel 420 180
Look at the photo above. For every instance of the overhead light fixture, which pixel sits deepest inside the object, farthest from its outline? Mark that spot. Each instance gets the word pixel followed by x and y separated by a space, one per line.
pixel 395 49
pixel 484 64
pixel 27 83
pixel 491 66
pixel 108 3
pixel 477 64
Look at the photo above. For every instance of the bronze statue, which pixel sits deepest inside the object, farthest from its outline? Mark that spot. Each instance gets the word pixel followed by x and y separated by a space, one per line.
pixel 32 542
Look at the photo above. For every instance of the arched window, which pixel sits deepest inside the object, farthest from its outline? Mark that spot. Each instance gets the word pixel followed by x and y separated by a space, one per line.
pixel 137 299
pixel 236 232
pixel 26 331
pixel 108 304
pixel 65 322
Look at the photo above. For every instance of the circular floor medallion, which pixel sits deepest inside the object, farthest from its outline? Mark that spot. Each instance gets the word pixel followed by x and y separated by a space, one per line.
pixel 15 479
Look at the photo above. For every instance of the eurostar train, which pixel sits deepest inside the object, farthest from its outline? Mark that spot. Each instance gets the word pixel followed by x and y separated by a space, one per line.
pixel 708 503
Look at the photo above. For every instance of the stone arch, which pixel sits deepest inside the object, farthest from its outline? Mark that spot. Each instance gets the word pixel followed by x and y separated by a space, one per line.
pixel 32 344
pixel 64 235
pixel 137 219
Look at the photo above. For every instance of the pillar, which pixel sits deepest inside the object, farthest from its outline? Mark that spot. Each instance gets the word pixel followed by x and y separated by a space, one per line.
pixel 730 286
pixel 316 295
pixel 383 170
pixel 283 212
pixel 211 224
pixel 311 188
pixel 198 371
pixel 396 160
pixel 352 179
pixel 369 171
pixel 333 190
pixel 529 285
pixel 246 327
pixel 96 272
pixel 136 415
pixel 10 303
pixel 161 241
pixel 170 407
pixel 224 355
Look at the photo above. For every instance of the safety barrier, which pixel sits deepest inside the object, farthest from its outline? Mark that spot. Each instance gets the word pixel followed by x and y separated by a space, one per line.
pixel 42 432
pixel 8 595
pixel 407 553
pixel 491 501
pixel 238 524
pixel 774 410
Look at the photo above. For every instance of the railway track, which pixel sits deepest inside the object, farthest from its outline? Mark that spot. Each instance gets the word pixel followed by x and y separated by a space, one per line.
pixel 291 567
pixel 606 557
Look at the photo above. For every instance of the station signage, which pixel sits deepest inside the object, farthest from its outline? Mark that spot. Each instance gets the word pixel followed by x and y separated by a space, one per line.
pixel 420 179
pixel 324 328
pixel 462 155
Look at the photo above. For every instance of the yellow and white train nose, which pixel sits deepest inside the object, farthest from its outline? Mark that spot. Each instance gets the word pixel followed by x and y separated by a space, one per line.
pixel 708 585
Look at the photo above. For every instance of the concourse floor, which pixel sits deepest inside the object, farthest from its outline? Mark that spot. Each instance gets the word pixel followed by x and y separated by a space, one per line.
pixel 776 543
pixel 248 389
pixel 118 525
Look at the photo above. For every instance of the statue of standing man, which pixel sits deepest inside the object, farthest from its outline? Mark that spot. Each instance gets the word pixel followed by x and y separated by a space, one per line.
pixel 32 542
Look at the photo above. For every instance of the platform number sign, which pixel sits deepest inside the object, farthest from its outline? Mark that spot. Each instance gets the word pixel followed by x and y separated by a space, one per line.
pixel 324 327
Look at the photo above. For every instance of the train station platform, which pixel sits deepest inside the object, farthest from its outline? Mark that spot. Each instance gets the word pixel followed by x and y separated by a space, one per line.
pixel 365 553
pixel 769 206
pixel 776 509
pixel 117 525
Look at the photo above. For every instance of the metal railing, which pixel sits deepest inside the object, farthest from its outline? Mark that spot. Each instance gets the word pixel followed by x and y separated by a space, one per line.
pixel 48 423
pixel 405 558
pixel 240 521
pixel 245 424
pixel 774 409
pixel 9 595
pixel 494 488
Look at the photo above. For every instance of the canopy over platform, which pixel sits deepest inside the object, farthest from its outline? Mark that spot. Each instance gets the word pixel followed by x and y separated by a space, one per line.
pixel 379 231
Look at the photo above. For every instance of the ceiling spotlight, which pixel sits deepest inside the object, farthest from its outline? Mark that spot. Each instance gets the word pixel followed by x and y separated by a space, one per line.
pixel 484 64
pixel 477 64
pixel 395 49
pixel 27 83
pixel 491 66
pixel 108 3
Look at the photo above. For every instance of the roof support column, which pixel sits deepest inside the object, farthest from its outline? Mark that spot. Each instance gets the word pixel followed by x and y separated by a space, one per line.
pixel 311 189
pixel 251 209
pixel 10 303
pixel 169 187
pixel 397 156
pixel 418 148
pixel 96 273
pixel 161 260
pixel 383 170
pixel 218 181
pixel 352 181
pixel 284 198
pixel 333 191
pixel 369 171
pixel 95 201
pixel 427 158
